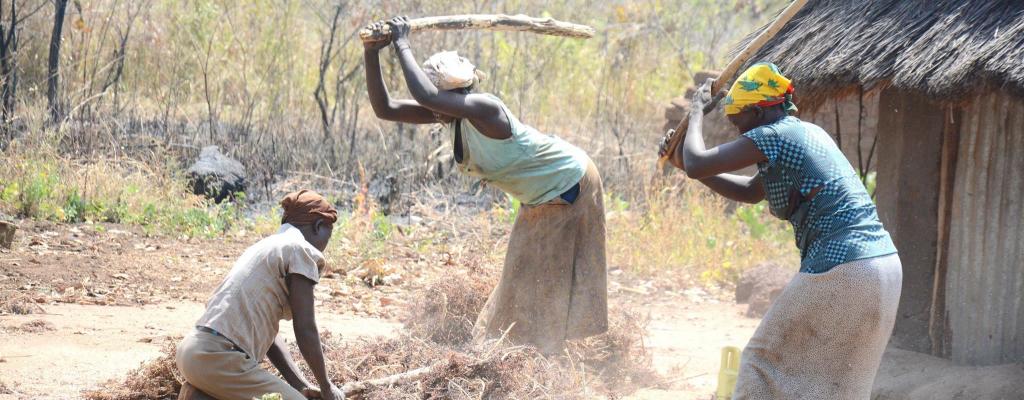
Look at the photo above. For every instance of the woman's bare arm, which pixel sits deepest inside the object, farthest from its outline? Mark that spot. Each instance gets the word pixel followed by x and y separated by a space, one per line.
pixel 485 112
pixel 307 336
pixel 702 162
pixel 281 358
pixel 744 189
pixel 384 106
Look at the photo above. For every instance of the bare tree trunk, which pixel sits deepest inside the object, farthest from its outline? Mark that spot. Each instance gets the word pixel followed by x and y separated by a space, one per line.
pixel 114 78
pixel 8 73
pixel 53 67
pixel 326 56
pixel 8 66
pixel 211 115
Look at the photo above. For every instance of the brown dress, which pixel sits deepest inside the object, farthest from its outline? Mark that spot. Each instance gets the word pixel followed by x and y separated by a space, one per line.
pixel 554 284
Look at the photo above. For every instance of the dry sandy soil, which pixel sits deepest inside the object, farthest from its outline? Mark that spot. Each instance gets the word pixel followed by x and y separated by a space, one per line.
pixel 82 346
pixel 105 299
pixel 78 347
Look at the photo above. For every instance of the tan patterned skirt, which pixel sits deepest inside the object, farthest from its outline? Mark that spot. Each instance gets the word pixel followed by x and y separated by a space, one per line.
pixel 554 284
pixel 824 336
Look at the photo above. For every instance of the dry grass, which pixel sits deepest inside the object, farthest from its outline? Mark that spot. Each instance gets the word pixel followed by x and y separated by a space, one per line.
pixel 439 327
pixel 36 326
pixel 611 364
pixel 447 309
pixel 19 304
pixel 618 357
pixel 157 379
pixel 492 370
pixel 688 232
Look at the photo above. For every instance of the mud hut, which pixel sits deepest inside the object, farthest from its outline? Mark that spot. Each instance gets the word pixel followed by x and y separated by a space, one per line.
pixel 934 93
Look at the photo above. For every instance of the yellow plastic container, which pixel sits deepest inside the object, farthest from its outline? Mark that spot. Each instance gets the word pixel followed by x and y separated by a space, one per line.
pixel 729 371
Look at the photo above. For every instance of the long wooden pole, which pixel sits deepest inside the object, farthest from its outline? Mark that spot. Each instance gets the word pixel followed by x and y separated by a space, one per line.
pixel 734 66
pixel 495 22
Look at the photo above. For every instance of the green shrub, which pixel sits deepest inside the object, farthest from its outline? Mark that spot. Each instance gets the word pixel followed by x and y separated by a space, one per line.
pixel 37 190
pixel 382 226
pixel 41 185
pixel 75 208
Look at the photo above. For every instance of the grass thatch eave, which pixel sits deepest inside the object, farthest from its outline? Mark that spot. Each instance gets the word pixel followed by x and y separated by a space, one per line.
pixel 945 49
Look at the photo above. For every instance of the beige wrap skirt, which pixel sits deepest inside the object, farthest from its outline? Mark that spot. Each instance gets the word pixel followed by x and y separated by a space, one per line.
pixel 554 286
pixel 212 364
pixel 824 336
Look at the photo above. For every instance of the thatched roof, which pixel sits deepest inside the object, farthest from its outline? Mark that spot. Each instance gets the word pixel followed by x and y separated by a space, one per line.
pixel 942 48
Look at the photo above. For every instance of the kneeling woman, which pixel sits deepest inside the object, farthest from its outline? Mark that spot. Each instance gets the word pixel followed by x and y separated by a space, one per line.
pixel 553 286
pixel 824 336
pixel 272 280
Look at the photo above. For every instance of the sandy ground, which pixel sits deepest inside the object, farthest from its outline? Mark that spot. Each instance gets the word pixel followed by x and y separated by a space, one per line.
pixel 83 346
pixel 107 299
pixel 686 339
pixel 74 347
pixel 906 375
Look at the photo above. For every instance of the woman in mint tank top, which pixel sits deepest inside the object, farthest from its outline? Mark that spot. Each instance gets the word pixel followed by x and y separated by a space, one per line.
pixel 823 338
pixel 553 286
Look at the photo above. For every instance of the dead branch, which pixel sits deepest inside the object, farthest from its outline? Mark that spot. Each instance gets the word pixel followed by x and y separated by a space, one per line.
pixel 326 56
pixel 496 22
pixel 353 388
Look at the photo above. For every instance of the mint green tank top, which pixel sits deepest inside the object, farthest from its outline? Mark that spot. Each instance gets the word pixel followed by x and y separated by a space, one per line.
pixel 531 166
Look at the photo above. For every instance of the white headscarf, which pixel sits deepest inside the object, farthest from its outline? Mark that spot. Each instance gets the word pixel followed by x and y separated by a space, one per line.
pixel 447 70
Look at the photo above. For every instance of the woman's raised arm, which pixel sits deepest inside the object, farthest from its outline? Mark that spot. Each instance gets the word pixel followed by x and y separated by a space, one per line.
pixel 485 112
pixel 384 106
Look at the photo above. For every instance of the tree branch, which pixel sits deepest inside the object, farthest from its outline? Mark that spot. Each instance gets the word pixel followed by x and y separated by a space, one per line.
pixel 497 22
pixel 326 56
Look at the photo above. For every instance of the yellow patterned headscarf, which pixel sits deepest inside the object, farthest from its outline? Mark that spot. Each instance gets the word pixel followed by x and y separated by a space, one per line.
pixel 762 84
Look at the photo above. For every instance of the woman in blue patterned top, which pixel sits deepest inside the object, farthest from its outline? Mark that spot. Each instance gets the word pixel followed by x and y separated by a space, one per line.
pixel 825 334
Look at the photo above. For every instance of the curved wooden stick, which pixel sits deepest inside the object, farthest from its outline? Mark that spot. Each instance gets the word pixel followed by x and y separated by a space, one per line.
pixel 731 70
pixel 498 22
pixel 357 387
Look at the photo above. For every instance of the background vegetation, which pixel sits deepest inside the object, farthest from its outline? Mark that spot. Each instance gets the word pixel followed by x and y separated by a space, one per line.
pixel 142 85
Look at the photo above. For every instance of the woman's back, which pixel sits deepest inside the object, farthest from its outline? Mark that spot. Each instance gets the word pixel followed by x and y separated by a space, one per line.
pixel 247 306
pixel 531 166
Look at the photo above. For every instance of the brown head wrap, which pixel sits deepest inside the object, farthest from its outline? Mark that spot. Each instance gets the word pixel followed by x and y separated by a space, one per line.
pixel 305 207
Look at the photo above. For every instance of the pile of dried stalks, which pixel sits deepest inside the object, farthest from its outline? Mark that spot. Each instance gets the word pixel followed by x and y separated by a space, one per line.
pixel 446 310
pixel 490 370
pixel 34 326
pixel 438 337
pixel 155 380
pixel 5 390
